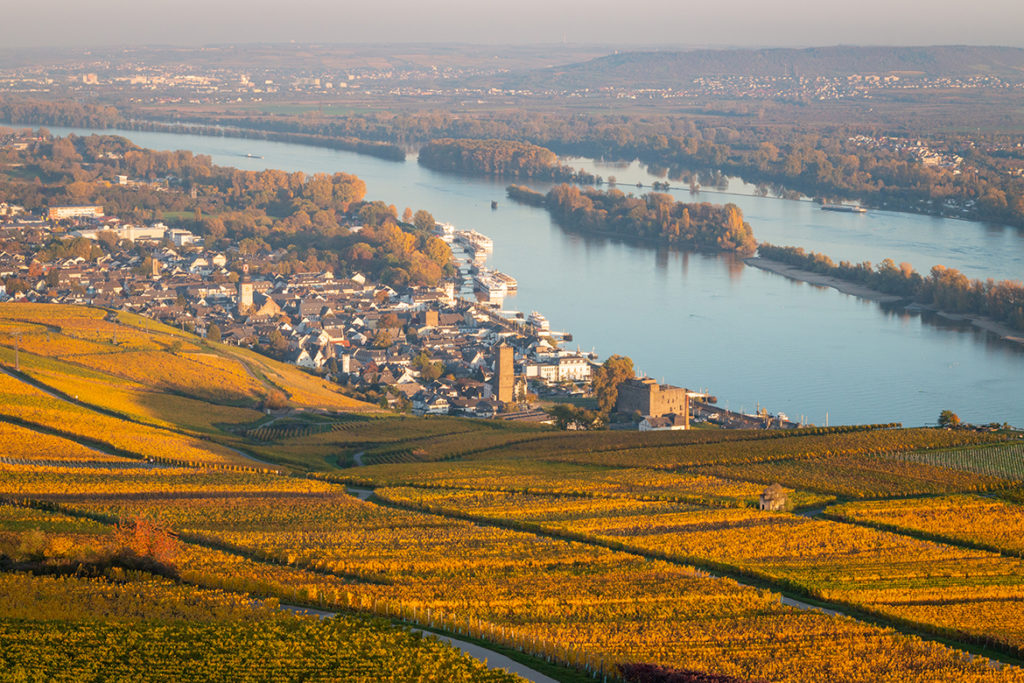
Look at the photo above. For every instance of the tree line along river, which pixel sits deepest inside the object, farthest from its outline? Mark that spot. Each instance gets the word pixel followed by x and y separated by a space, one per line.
pixel 708 321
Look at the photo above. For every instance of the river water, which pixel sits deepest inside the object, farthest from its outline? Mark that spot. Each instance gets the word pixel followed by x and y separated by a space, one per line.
pixel 708 321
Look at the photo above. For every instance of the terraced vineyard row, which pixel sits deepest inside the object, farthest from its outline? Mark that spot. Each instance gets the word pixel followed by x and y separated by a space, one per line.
pixel 860 476
pixel 875 442
pixel 998 460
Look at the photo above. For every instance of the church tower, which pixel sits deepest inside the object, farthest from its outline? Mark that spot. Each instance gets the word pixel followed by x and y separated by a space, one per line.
pixel 245 290
pixel 504 375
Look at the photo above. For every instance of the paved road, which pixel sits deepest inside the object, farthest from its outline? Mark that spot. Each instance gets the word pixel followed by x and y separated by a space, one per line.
pixel 792 602
pixel 361 494
pixel 493 660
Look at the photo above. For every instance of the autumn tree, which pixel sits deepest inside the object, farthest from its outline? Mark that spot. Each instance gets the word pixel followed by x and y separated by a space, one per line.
pixel 423 220
pixel 429 370
pixel 606 380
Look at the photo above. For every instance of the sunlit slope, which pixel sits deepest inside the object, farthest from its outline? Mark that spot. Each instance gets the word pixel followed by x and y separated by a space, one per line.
pixel 131 386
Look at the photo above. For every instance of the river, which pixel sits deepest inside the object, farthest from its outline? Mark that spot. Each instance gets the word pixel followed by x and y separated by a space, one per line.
pixel 708 321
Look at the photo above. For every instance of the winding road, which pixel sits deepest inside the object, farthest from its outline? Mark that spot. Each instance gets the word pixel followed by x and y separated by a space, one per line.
pixel 493 660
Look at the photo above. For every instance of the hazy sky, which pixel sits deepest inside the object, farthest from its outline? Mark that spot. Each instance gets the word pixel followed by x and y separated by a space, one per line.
pixel 663 22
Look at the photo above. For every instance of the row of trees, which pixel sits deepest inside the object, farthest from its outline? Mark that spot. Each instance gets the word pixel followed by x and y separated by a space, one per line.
pixel 824 162
pixel 947 289
pixel 818 162
pixel 498 157
pixel 654 216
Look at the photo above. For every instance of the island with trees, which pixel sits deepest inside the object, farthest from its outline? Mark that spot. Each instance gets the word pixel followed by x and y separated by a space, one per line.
pixel 653 216
pixel 498 157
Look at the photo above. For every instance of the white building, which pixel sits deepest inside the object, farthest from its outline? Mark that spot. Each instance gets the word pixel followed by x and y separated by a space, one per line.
pixel 181 238
pixel 563 369
pixel 665 423
pixel 61 213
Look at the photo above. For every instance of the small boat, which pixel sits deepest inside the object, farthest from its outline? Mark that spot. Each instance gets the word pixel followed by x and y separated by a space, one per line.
pixel 845 208
pixel 494 204
pixel 250 155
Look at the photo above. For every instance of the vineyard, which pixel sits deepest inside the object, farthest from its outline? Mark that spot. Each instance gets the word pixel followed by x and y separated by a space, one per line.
pixel 1002 460
pixel 573 480
pixel 68 629
pixel 140 539
pixel 864 568
pixel 133 350
pixel 550 597
pixel 984 522
pixel 861 476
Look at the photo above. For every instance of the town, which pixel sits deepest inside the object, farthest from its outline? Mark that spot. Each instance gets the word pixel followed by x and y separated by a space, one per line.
pixel 450 350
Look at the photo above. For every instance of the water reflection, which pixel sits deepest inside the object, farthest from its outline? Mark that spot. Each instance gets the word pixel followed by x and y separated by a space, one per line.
pixel 661 258
pixel 735 266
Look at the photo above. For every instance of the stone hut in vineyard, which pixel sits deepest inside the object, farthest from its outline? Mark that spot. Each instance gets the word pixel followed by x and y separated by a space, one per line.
pixel 773 499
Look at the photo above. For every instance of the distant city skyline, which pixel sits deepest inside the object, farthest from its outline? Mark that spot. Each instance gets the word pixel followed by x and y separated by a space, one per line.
pixel 663 23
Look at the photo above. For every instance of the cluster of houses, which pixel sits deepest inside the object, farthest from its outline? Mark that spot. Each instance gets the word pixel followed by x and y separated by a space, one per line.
pixel 421 348
pixel 418 348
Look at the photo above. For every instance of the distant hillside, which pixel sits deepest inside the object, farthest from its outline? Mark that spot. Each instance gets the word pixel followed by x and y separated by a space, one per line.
pixel 664 69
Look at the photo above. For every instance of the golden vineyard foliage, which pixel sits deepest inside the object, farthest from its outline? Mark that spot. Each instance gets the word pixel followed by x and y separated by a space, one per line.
pixel 588 550
pixel 69 629
pixel 141 404
pixel 866 568
pixel 768 449
pixel 23 402
pixel 987 522
pixel 64 598
pixel 156 356
pixel 448 446
pixel 859 476
pixel 302 389
pixel 569 479
pixel 20 445
pixel 42 481
pixel 576 603
pixel 199 375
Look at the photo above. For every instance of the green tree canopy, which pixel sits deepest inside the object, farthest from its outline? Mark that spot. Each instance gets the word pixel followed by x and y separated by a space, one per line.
pixel 607 378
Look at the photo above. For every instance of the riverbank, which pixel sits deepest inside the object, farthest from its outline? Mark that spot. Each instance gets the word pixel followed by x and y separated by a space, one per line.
pixel 1004 332
pixel 1000 330
pixel 794 273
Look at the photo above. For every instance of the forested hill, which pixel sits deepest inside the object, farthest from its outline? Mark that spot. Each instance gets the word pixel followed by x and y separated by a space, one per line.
pixel 666 69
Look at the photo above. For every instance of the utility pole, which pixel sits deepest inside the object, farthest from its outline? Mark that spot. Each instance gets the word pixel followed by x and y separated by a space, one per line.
pixel 17 356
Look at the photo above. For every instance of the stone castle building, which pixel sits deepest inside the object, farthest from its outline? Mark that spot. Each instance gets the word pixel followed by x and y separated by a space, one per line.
pixel 645 396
